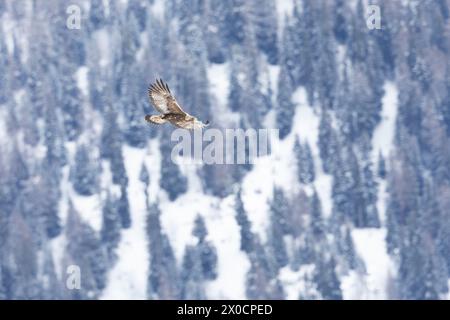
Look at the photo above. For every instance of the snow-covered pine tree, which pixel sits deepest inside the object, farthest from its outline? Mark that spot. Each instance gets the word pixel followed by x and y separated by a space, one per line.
pixel 84 174
pixel 305 162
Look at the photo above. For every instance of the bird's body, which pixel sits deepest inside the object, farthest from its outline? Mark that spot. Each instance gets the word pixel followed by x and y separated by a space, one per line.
pixel 164 102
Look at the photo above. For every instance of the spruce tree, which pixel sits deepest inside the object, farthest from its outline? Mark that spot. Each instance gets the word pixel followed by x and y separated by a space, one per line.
pixel 84 175
pixel 305 162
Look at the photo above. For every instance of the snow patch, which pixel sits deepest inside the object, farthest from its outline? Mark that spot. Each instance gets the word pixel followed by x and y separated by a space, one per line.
pixel 3 126
pixel 278 167
pixel 383 138
pixel 219 86
pixel 284 8
pixel 81 76
pixel 101 38
pixel 383 197
pixel 58 244
pixel 306 122
pixel 128 278
pixel 178 218
pixel 274 72
pixel 297 282
pixel 89 209
pixel 218 75
pixel 9 26
pixel 370 245
pixel 272 170
pixel 448 297
pixel 354 286
pixel 306 126
pixel 153 163
pixel 158 9
pixel 233 264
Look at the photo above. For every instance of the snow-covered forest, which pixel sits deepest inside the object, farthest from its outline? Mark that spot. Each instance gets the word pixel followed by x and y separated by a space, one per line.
pixel 352 203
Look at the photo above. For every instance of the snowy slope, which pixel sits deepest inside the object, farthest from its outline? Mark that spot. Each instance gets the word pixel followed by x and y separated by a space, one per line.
pixel 110 60
pixel 371 243
pixel 371 247
pixel 128 279
pixel 178 218
pixel 383 139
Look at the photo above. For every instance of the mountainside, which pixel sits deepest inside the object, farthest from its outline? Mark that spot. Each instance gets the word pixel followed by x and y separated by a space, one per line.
pixel 352 202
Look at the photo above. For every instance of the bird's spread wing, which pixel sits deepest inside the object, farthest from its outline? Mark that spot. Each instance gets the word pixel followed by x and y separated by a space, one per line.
pixel 162 98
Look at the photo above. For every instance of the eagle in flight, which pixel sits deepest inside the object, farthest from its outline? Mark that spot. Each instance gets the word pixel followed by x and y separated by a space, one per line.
pixel 165 103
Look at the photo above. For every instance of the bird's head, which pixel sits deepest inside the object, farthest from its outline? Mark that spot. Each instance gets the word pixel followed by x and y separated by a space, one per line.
pixel 198 124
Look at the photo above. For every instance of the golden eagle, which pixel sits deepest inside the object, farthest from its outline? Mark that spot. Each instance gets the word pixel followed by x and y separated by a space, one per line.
pixel 165 103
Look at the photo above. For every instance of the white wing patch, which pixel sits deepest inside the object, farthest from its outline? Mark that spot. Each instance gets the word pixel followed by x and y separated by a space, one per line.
pixel 160 101
pixel 161 97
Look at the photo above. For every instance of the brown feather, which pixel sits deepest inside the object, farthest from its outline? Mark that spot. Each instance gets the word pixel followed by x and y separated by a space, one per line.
pixel 163 100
